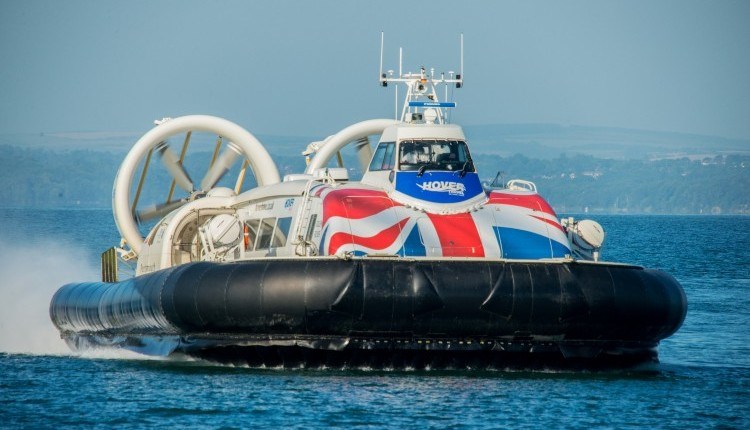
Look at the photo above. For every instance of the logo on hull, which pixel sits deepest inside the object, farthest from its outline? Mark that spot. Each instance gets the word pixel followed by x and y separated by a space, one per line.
pixel 452 188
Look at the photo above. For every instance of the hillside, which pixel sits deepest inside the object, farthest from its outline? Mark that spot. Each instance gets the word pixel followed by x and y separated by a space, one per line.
pixel 582 183
pixel 552 140
pixel 38 177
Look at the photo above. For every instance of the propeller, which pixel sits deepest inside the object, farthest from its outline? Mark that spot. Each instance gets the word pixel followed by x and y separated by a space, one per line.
pixel 157 210
pixel 174 167
pixel 220 167
pixel 364 152
pixel 125 204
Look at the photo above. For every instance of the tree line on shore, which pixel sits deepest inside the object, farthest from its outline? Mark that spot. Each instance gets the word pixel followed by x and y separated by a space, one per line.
pixel 717 184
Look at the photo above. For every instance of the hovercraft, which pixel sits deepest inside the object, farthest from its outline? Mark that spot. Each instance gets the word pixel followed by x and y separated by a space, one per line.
pixel 418 265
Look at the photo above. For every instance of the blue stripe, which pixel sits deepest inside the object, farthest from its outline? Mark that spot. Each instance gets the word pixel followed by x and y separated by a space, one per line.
pixel 322 246
pixel 432 104
pixel 413 246
pixel 522 244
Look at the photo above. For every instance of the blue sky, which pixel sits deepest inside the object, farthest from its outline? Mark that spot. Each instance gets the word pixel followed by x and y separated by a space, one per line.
pixel 310 68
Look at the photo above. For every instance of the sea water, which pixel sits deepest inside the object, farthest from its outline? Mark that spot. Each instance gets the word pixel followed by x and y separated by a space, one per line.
pixel 703 379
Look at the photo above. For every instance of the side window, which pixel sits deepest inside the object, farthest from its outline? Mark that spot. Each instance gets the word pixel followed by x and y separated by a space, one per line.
pixel 384 157
pixel 377 159
pixel 390 157
pixel 282 232
pixel 251 232
pixel 266 233
pixel 463 156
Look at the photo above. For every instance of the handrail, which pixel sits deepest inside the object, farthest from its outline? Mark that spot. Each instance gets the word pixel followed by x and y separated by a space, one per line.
pixel 521 185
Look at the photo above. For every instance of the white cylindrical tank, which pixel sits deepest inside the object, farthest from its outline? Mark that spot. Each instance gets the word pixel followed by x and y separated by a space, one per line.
pixel 591 232
pixel 586 238
pixel 224 230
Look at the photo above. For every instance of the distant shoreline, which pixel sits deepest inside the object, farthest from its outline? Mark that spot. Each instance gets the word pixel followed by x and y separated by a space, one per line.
pixel 559 214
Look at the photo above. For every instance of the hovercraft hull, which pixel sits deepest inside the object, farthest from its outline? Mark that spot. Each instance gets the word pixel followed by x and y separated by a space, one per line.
pixel 375 312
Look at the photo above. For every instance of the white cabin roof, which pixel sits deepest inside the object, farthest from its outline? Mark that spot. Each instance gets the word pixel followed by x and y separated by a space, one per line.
pixel 403 131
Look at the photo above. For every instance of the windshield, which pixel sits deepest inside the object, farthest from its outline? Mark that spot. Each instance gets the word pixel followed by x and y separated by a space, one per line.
pixel 434 155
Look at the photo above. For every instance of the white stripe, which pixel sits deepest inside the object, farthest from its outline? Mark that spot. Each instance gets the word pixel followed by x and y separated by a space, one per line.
pixel 520 218
pixel 365 227
pixel 485 221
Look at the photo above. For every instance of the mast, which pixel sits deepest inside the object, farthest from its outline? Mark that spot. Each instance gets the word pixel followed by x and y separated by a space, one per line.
pixel 422 102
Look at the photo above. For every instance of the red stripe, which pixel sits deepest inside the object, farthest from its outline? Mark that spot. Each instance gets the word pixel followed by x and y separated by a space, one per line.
pixel 355 203
pixel 550 222
pixel 458 235
pixel 382 240
pixel 532 201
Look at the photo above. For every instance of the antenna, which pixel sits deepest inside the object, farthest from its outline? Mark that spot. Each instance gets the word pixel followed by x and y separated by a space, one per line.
pixel 400 74
pixel 395 110
pixel 462 55
pixel 381 76
pixel 400 58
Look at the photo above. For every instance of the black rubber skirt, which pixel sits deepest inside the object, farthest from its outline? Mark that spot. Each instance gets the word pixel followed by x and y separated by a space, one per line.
pixel 380 312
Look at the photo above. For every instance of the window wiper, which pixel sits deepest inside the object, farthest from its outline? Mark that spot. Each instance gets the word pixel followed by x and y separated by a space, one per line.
pixel 421 170
pixel 464 169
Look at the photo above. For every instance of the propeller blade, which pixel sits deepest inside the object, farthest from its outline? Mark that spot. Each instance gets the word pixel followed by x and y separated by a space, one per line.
pixel 158 211
pixel 220 167
pixel 364 152
pixel 173 165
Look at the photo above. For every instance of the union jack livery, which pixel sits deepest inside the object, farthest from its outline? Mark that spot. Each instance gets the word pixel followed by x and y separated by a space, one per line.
pixel 418 264
pixel 511 224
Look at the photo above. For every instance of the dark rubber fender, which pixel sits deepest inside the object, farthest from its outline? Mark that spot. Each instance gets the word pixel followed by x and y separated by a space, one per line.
pixel 374 297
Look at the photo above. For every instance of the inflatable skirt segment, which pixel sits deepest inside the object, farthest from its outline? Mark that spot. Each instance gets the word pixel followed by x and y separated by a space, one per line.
pixel 391 313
